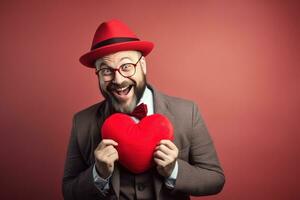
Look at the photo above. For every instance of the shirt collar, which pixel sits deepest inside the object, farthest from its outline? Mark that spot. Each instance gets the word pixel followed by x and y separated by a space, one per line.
pixel 147 99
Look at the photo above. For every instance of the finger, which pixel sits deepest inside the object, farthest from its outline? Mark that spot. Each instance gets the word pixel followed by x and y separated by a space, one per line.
pixel 109 142
pixel 103 153
pixel 163 156
pixel 103 150
pixel 110 158
pixel 109 150
pixel 169 143
pixel 106 142
pixel 160 162
pixel 114 156
pixel 165 149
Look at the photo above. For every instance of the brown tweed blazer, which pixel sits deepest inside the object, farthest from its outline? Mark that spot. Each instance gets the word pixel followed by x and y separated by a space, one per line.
pixel 199 171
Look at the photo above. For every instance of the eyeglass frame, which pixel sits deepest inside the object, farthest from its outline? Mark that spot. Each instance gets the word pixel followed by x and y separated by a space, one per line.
pixel 118 69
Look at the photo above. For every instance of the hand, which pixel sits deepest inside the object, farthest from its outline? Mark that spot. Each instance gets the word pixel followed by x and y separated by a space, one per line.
pixel 165 156
pixel 105 157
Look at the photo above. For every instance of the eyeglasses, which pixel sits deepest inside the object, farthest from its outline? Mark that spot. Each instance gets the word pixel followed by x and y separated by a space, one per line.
pixel 126 70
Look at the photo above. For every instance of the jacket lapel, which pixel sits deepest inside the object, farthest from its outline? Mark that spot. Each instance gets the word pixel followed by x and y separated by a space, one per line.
pixel 161 106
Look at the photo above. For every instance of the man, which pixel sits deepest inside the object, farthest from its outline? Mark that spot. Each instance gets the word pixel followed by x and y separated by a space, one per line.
pixel 183 167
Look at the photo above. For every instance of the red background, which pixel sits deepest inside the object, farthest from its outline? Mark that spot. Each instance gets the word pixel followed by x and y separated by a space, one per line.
pixel 238 60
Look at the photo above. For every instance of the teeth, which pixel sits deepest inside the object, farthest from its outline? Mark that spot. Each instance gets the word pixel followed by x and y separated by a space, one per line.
pixel 121 89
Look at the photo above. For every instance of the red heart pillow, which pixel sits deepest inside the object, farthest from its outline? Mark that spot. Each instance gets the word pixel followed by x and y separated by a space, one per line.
pixel 137 141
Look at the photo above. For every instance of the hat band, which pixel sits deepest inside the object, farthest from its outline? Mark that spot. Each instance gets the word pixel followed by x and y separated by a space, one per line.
pixel 113 41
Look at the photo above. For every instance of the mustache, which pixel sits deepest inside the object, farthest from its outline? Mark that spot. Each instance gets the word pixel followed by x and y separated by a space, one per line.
pixel 114 86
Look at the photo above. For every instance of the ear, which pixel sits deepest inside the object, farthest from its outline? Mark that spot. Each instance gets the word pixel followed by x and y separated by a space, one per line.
pixel 143 65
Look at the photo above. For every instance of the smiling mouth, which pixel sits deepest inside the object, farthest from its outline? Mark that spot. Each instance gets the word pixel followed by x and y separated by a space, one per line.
pixel 122 91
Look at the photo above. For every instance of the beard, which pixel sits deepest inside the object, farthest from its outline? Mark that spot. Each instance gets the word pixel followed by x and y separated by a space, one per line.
pixel 118 105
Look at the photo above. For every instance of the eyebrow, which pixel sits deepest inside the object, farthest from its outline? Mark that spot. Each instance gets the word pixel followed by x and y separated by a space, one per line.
pixel 105 64
pixel 125 58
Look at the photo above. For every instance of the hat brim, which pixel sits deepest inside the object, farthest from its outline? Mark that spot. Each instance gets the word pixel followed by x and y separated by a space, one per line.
pixel 90 58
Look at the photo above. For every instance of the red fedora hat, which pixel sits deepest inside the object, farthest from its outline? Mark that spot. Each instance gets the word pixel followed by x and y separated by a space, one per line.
pixel 111 37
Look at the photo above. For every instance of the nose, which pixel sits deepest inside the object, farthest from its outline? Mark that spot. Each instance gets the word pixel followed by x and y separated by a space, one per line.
pixel 118 78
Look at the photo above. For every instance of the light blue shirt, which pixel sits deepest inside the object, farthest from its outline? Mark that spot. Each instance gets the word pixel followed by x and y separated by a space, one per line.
pixel 103 184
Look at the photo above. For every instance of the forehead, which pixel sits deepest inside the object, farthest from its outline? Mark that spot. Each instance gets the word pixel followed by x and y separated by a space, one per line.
pixel 115 58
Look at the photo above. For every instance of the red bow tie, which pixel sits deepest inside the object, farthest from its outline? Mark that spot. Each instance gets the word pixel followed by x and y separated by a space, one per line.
pixel 140 111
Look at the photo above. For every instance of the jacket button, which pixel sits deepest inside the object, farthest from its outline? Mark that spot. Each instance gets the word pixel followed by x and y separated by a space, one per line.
pixel 141 187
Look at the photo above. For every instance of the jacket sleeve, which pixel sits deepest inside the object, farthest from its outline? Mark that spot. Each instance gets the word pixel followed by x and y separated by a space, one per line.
pixel 202 173
pixel 78 181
